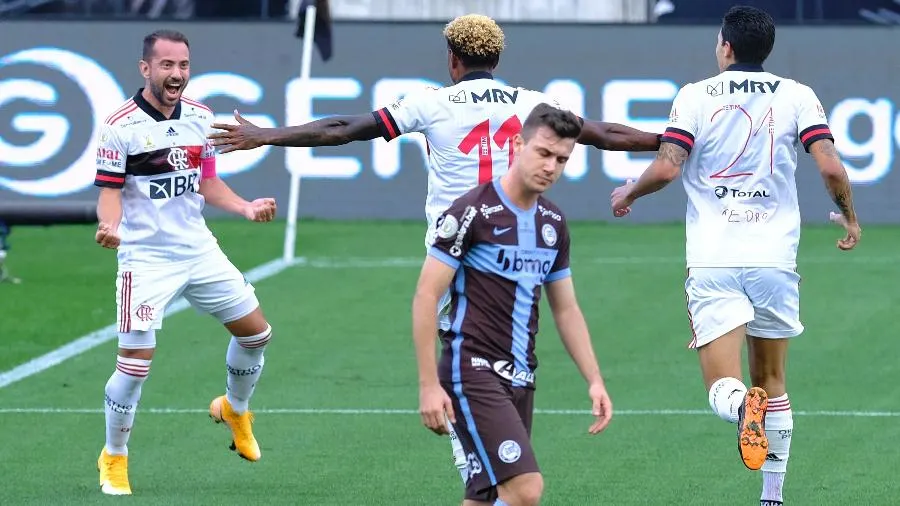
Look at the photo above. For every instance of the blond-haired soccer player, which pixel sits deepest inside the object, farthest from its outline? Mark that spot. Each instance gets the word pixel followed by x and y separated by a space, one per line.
pixel 156 171
pixel 739 152
pixel 469 126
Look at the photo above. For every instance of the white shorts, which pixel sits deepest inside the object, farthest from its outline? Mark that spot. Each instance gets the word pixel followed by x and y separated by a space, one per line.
pixel 210 283
pixel 720 299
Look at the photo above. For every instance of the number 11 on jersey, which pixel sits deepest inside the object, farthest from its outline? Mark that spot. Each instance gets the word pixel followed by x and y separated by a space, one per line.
pixel 480 137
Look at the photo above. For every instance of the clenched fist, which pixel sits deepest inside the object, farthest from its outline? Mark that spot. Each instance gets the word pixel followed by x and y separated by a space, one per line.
pixel 260 210
pixel 106 236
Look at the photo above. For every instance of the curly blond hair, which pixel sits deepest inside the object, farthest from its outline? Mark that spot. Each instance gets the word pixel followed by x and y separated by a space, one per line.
pixel 475 39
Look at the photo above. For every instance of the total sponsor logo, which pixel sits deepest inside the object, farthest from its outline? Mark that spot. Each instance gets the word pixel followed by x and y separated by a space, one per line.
pixel 724 191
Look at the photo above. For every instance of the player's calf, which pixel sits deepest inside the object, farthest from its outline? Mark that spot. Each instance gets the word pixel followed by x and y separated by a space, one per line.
pixel 779 431
pixel 123 389
pixel 244 362
pixel 122 394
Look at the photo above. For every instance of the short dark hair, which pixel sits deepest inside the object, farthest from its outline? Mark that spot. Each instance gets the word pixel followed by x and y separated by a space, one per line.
pixel 170 35
pixel 751 33
pixel 564 124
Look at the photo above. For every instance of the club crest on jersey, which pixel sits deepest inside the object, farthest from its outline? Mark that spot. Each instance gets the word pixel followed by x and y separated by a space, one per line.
pixel 549 234
pixel 447 227
pixel 178 159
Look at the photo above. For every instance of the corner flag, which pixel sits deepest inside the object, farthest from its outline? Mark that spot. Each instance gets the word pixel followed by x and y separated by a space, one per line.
pixel 322 31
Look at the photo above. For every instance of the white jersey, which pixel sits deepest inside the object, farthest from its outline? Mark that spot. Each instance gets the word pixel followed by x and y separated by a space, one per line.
pixel 469 128
pixel 158 163
pixel 742 129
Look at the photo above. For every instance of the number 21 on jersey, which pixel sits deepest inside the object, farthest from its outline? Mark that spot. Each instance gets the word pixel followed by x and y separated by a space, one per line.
pixel 479 139
pixel 733 169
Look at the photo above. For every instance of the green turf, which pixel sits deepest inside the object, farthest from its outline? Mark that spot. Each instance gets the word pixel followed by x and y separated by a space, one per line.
pixel 342 340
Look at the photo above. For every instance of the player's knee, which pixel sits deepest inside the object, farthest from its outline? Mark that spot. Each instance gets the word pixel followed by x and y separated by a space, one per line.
pixel 137 344
pixel 523 490
pixel 255 341
pixel 243 316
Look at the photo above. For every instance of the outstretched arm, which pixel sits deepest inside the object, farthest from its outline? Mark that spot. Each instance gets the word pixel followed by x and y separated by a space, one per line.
pixel 616 137
pixel 331 131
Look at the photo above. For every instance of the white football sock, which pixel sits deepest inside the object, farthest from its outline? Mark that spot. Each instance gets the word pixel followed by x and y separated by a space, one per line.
pixel 779 431
pixel 725 398
pixel 244 361
pixel 123 391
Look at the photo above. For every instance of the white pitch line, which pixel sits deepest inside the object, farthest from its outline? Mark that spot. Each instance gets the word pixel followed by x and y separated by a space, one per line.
pixel 100 336
pixel 363 411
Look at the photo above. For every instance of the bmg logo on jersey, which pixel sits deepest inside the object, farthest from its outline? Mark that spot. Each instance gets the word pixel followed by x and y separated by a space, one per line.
pixel 531 262
pixel 174 186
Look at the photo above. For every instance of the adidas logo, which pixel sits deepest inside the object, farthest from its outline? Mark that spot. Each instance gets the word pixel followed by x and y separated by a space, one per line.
pixel 171 132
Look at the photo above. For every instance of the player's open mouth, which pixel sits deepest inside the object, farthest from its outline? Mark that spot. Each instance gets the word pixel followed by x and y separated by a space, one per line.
pixel 173 89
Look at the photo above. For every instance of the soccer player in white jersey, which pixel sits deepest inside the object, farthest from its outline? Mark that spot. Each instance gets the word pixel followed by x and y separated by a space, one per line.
pixel 736 136
pixel 469 128
pixel 156 170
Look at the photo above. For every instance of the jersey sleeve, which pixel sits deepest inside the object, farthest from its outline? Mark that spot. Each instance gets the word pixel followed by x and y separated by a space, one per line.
pixel 812 122
pixel 111 154
pixel 455 229
pixel 560 269
pixel 407 115
pixel 208 161
pixel 683 121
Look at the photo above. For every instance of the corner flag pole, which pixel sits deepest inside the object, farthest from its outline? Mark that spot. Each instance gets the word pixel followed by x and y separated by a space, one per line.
pixel 290 233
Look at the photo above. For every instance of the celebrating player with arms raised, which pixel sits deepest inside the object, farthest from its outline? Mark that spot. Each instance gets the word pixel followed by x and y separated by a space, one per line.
pixel 156 170
pixel 469 127
pixel 736 134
